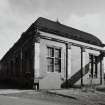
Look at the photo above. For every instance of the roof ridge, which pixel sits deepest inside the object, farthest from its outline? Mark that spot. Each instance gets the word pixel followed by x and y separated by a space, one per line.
pixel 50 26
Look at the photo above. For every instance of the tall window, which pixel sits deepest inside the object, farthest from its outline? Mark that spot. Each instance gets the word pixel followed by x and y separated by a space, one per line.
pixel 53 59
pixel 96 67
pixel 93 63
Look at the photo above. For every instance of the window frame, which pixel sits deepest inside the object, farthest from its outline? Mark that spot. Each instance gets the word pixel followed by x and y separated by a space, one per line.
pixel 54 57
pixel 94 65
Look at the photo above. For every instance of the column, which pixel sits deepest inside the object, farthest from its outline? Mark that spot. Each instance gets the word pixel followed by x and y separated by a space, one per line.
pixel 103 82
pixel 69 60
pixel 36 61
pixel 82 64
pixel 101 70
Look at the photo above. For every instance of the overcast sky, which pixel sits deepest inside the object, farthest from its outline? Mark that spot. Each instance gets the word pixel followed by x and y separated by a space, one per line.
pixel 17 15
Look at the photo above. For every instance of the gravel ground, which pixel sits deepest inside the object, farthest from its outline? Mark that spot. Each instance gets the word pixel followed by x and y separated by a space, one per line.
pixel 45 96
pixel 89 97
pixel 76 96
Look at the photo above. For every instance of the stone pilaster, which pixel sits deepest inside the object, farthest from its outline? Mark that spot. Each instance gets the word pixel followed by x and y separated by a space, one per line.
pixel 101 70
pixel 69 59
pixel 82 64
pixel 37 57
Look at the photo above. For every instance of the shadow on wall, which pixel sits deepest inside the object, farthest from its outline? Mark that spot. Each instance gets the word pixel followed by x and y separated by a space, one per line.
pixel 77 76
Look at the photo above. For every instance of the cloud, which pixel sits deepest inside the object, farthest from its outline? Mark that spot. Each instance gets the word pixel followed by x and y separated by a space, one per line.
pixel 91 23
pixel 17 15
pixel 13 22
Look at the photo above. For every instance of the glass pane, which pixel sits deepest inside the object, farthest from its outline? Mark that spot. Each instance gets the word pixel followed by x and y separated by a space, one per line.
pixel 57 53
pixel 50 61
pixel 96 59
pixel 57 61
pixel 90 58
pixel 50 64
pixel 57 65
pixel 50 52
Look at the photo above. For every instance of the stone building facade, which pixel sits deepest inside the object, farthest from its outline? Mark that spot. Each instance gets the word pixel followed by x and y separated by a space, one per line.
pixel 53 56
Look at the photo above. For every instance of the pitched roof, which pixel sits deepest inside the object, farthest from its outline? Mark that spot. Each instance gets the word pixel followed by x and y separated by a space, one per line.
pixel 66 31
pixel 58 29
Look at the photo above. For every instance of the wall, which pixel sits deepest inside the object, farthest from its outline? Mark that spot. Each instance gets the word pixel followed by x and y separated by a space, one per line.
pixel 76 66
pixel 76 59
pixel 50 80
pixel 18 64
